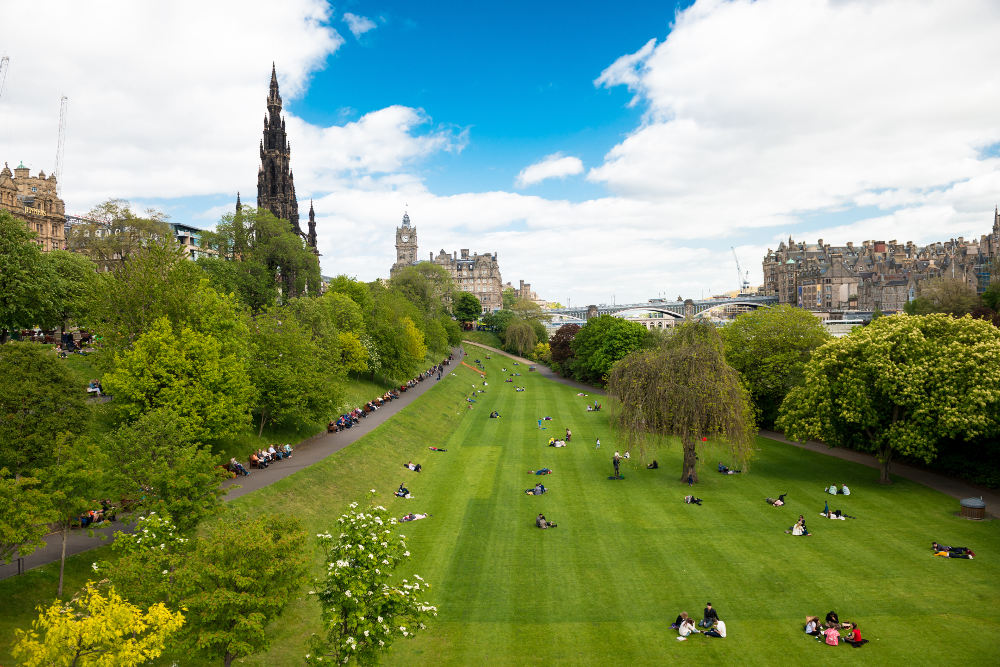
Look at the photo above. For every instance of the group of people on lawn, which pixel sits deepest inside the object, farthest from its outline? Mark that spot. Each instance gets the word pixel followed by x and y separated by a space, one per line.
pixel 686 626
pixel 833 632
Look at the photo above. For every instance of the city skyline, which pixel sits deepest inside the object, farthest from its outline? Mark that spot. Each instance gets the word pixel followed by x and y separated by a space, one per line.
pixel 603 156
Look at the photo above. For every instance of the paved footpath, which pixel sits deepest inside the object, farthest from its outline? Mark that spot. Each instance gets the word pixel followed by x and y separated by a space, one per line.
pixel 953 487
pixel 307 452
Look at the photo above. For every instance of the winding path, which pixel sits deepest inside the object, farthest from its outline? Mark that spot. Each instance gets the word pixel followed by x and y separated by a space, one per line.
pixel 307 452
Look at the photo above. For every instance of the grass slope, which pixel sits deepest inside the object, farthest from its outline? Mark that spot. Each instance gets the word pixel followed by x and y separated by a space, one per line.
pixel 603 587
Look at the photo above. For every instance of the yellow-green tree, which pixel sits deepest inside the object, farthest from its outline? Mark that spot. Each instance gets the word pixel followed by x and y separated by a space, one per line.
pixel 96 629
pixel 900 385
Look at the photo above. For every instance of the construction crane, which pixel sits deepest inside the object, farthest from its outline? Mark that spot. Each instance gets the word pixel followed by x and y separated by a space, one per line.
pixel 4 64
pixel 63 101
pixel 744 277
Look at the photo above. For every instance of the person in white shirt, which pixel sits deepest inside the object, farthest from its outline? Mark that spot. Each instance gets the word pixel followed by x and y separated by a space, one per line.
pixel 844 490
pixel 687 627
pixel 719 630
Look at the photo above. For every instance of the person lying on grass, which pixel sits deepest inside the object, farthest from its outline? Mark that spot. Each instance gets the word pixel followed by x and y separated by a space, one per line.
pixel 540 471
pixel 413 517
pixel 940 547
pixel 537 491
pixel 653 466
pixel 799 528
pixel 776 502
pixel 437 449
pixel 542 522
pixel 691 500
pixel 726 470
pixel 967 554
pixel 556 443
pixel 415 467
pixel 402 491
pixel 835 514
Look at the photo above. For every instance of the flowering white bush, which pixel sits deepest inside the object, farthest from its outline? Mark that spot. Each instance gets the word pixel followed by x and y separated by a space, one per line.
pixel 362 611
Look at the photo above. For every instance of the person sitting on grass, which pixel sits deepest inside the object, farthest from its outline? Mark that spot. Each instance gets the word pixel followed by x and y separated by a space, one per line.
pixel 854 637
pixel 542 522
pixel 726 470
pixel 680 619
pixel 402 491
pixel 799 528
pixel 718 630
pixel 831 635
pixel 494 415
pixel 687 628
pixel 413 517
pixel 415 467
pixel 709 617
pixel 691 500
pixel 844 490
pixel 653 466
pixel 812 625
pixel 540 471
pixel 537 491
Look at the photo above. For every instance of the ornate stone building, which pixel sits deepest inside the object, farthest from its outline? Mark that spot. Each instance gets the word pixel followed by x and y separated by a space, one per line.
pixel 875 275
pixel 478 274
pixel 33 199
pixel 275 181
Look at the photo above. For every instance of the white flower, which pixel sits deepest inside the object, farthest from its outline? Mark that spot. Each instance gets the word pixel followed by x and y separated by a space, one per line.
pixel 406 553
pixel 347 594
pixel 381 643
pixel 93 566
pixel 372 490
pixel 165 572
pixel 366 633
pixel 379 619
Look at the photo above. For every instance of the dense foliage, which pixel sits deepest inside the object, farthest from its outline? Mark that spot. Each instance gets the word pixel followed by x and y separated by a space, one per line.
pixel 364 610
pixel 901 385
pixel 683 388
pixel 603 341
pixel 770 347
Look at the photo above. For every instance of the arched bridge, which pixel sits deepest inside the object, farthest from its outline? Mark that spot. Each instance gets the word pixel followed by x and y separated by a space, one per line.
pixel 678 309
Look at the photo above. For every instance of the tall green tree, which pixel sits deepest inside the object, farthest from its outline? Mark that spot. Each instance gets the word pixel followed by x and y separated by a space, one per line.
pixel 426 285
pixel 25 518
pixel 602 342
pixel 238 578
pixel 508 296
pixel 40 398
pixel 943 295
pixel 24 300
pixel 113 233
pixel 770 347
pixel 187 372
pixel 900 386
pixel 72 279
pixel 561 348
pixel 467 307
pixel 682 388
pixel 295 377
pixel 520 337
pixel 161 468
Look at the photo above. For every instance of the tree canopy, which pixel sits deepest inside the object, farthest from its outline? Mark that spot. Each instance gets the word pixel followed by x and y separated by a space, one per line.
pixel 23 277
pixel 769 347
pixel 603 341
pixel 683 388
pixel 467 307
pixel 900 386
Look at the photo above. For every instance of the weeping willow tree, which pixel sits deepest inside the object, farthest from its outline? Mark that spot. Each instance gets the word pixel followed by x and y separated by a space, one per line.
pixel 682 388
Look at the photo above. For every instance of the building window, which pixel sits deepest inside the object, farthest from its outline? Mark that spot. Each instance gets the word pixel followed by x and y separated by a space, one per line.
pixel 34 189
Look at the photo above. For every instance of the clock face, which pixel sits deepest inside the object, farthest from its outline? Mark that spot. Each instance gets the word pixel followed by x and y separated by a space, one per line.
pixel 404 238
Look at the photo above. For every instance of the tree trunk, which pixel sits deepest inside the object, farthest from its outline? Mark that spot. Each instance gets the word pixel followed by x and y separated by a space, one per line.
pixel 885 457
pixel 688 471
pixel 229 658
pixel 62 560
pixel 260 431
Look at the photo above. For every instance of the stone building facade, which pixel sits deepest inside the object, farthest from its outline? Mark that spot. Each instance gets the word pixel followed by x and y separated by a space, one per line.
pixel 477 273
pixel 876 274
pixel 33 200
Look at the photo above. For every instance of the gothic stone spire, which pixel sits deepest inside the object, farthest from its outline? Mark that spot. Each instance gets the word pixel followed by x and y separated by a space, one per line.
pixel 275 184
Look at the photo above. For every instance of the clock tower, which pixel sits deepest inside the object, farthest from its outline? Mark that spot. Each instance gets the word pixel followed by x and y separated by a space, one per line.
pixel 406 245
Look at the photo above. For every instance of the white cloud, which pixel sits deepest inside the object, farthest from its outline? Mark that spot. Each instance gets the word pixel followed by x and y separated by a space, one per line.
pixel 358 25
pixel 760 117
pixel 552 166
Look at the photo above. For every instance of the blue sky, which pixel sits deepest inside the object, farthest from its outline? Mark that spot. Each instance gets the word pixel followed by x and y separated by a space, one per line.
pixel 600 149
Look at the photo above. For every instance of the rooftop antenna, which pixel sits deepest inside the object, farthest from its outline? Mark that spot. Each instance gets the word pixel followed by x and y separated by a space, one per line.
pixel 4 65
pixel 63 101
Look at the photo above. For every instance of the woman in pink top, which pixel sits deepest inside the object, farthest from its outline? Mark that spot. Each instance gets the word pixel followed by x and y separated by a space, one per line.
pixel 832 636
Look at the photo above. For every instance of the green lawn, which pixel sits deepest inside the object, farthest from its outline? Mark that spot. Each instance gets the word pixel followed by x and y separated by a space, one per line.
pixel 628 555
